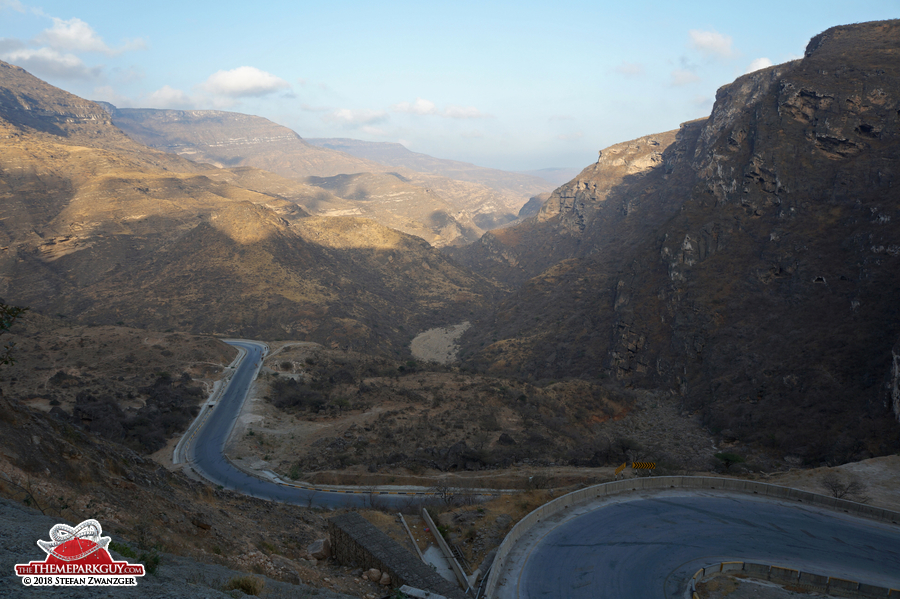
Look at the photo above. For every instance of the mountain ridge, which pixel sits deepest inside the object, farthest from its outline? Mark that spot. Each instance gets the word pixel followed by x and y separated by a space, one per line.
pixel 747 270
pixel 102 229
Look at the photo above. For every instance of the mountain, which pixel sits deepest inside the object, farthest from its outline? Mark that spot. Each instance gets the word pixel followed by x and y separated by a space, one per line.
pixel 387 198
pixel 101 229
pixel 454 202
pixel 747 263
pixel 232 139
pixel 512 189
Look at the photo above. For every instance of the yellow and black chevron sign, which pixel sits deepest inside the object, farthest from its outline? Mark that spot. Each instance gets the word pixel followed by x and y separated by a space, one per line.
pixel 643 465
pixel 619 469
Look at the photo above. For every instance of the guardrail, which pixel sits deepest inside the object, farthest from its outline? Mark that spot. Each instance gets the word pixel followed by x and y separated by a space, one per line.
pixel 788 576
pixel 673 482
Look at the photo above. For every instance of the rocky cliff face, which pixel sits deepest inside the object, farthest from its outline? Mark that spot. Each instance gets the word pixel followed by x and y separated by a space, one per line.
pixel 748 262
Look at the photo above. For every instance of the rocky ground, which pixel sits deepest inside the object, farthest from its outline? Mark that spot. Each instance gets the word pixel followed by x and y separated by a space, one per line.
pixel 55 361
pixel 742 588
pixel 316 410
pixel 176 576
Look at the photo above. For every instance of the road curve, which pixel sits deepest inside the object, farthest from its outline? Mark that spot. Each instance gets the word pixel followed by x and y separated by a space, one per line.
pixel 651 545
pixel 205 444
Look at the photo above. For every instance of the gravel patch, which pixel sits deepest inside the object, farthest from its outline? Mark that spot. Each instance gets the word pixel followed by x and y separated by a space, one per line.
pixel 438 345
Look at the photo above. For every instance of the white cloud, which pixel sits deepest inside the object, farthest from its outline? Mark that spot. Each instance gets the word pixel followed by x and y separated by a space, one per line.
pixel 243 82
pixel 630 69
pixel 464 112
pixel 360 117
pixel 8 44
pixel 426 107
pixel 46 62
pixel 374 131
pixel 311 108
pixel 472 134
pixel 683 77
pixel 12 5
pixel 711 43
pixel 702 101
pixel 169 97
pixel 757 64
pixel 77 36
pixel 106 93
pixel 420 106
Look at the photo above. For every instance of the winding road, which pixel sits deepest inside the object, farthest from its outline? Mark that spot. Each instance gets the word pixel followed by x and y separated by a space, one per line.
pixel 650 544
pixel 205 440
pixel 647 544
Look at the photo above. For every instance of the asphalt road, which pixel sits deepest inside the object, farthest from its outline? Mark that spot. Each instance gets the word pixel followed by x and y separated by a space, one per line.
pixel 651 545
pixel 205 450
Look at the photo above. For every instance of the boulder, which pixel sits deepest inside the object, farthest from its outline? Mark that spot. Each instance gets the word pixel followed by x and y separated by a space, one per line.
pixel 385 580
pixel 320 549
pixel 373 574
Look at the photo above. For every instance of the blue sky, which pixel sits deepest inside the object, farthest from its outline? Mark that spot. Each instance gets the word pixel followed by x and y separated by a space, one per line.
pixel 512 85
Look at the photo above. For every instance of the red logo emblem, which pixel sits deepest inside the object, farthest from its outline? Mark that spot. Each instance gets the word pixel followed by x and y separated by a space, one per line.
pixel 78 557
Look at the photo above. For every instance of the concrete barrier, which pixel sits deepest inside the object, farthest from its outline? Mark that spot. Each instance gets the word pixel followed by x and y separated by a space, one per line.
pixel 868 590
pixel 843 586
pixel 787 576
pixel 783 575
pixel 813 582
pixel 667 482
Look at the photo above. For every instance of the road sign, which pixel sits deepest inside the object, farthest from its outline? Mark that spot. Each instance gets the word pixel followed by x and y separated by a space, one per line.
pixel 620 468
pixel 643 465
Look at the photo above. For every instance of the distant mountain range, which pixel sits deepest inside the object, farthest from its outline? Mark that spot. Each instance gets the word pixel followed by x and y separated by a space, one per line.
pixel 101 229
pixel 443 201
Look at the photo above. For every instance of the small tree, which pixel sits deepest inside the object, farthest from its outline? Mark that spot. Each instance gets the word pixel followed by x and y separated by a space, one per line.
pixel 729 459
pixel 8 315
pixel 841 489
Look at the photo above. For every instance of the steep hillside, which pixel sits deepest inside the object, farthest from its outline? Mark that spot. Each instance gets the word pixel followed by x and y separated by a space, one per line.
pixel 100 229
pixel 748 263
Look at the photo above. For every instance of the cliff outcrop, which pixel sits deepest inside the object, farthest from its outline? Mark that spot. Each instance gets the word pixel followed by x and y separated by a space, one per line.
pixel 747 263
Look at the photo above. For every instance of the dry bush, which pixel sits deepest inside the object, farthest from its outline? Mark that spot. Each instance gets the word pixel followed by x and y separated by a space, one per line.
pixel 249 585
pixel 851 489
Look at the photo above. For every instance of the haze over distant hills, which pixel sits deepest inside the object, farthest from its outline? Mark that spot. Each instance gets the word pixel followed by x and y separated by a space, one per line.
pixel 443 201
pixel 554 176
pixel 396 155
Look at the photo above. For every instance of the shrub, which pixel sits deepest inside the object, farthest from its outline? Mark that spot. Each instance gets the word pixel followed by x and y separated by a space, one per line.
pixel 729 459
pixel 249 585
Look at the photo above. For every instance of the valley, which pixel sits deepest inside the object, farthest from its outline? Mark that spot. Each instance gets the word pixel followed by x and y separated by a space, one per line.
pixel 717 299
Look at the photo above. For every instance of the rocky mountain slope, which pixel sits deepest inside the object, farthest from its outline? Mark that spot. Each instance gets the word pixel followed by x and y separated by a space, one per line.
pixel 447 202
pixel 748 262
pixel 101 229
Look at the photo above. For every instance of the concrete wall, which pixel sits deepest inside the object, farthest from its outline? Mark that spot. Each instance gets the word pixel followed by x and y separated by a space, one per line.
pixel 357 542
pixel 673 482
pixel 806 581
